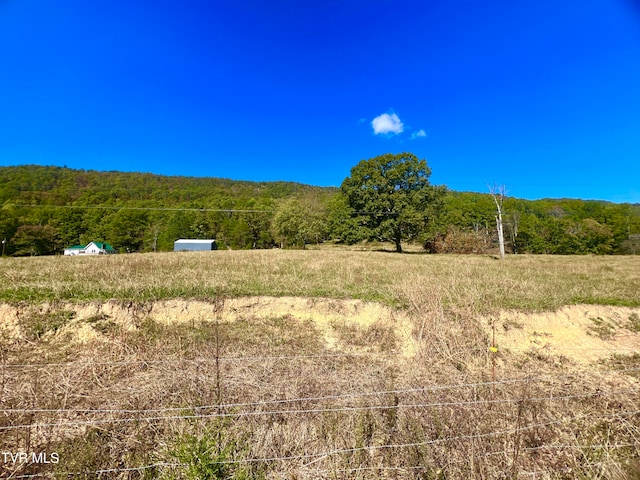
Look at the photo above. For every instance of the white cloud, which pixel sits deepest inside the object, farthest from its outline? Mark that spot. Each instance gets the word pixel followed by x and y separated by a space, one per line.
pixel 420 133
pixel 386 123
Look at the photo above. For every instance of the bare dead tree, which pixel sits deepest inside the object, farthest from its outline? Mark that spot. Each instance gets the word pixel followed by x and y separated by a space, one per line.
pixel 498 193
pixel 514 220
pixel 155 232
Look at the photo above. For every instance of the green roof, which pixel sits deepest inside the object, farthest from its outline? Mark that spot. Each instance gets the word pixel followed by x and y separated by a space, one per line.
pixel 101 245
pixel 104 246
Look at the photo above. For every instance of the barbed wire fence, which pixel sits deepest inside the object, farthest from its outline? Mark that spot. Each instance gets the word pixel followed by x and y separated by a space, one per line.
pixel 356 417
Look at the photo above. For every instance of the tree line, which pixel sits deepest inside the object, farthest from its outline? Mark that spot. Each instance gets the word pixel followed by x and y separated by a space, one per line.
pixel 387 198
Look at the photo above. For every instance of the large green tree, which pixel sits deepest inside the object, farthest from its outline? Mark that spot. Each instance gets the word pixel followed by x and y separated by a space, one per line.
pixel 393 193
pixel 36 240
pixel 298 222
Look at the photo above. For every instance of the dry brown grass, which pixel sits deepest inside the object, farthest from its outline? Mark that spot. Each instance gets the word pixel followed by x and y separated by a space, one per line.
pixel 480 282
pixel 281 400
pixel 315 387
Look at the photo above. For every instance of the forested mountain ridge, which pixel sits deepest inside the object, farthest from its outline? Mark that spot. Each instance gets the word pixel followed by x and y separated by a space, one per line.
pixel 45 209
pixel 64 186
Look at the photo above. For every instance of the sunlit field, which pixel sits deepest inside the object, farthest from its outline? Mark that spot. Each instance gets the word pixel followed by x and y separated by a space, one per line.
pixel 318 364
pixel 482 282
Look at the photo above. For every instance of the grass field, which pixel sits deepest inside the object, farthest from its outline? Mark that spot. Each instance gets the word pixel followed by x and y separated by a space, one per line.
pixel 521 282
pixel 320 364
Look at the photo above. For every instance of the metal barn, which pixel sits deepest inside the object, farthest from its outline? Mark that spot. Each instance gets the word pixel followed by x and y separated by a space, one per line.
pixel 190 245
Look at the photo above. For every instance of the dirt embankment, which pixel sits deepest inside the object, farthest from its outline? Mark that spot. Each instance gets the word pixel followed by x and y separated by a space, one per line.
pixel 583 333
pixel 330 317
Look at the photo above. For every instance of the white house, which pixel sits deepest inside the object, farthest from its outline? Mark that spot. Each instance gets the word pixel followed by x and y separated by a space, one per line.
pixel 74 250
pixel 93 248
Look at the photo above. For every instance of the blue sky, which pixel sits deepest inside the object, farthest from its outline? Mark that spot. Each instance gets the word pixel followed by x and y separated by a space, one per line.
pixel 542 96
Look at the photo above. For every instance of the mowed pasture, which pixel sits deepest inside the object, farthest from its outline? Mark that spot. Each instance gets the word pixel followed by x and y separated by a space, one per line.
pixel 320 364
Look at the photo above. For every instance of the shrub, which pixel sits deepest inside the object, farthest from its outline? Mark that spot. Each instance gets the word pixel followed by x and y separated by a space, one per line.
pixel 459 241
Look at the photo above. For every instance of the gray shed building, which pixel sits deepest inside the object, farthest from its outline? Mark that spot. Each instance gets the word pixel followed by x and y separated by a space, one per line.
pixel 189 245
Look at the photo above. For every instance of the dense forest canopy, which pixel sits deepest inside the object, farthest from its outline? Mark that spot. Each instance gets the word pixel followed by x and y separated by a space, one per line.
pixel 44 209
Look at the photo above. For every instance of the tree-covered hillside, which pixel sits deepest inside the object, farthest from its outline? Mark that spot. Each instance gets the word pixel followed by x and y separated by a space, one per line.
pixel 555 226
pixel 47 208
pixel 44 209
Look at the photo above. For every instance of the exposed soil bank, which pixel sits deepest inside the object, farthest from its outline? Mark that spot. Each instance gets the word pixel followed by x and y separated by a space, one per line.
pixel 327 315
pixel 582 333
